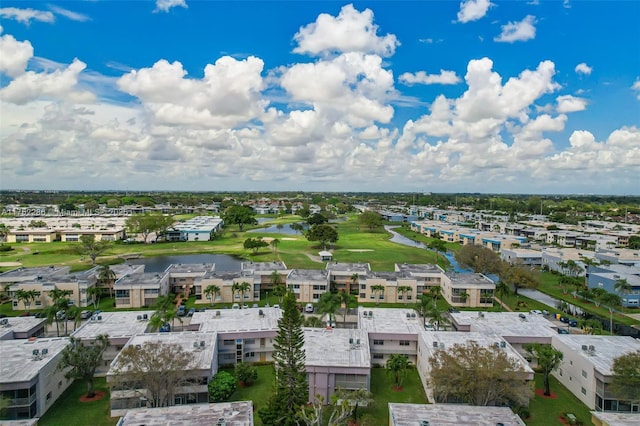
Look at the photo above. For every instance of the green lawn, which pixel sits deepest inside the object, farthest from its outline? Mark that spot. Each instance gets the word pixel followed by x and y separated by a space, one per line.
pixel 69 411
pixel 546 411
pixel 259 392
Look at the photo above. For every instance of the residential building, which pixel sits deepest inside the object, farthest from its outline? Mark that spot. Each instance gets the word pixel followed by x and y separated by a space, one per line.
pixel 430 342
pixel 119 326
pixel 237 413
pixel 586 368
pixel 29 380
pixel 519 256
pixel 599 418
pixel 336 358
pixel 516 328
pixel 390 331
pixel 347 276
pixel 22 327
pixel 199 228
pixel 203 350
pixel 606 277
pixel 451 415
pixel 467 290
pixel 308 284
pixel 244 335
pixel 140 290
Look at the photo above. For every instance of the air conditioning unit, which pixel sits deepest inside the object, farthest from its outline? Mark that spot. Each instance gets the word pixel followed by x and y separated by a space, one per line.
pixel 145 317
pixel 139 317
pixel 435 344
pixel 4 321
pixel 584 348
pixel 45 352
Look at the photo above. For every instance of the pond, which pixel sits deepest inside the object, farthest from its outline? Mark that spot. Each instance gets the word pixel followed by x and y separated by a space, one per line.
pixel 224 262
pixel 285 229
pixel 401 239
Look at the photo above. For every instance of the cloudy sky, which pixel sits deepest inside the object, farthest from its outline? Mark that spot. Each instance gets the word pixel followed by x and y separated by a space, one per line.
pixel 430 96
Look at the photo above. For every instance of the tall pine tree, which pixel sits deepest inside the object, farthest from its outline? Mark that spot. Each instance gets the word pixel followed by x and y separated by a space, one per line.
pixel 291 388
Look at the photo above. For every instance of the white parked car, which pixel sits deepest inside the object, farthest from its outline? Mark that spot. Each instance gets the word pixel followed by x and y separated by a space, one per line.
pixel 235 306
pixel 309 308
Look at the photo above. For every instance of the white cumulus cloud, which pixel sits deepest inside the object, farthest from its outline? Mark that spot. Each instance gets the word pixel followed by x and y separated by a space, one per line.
pixel 25 16
pixel 421 77
pixel 165 5
pixel 518 31
pixel 473 10
pixel 583 68
pixel 74 16
pixel 350 31
pixel 568 103
pixel 636 87
pixel 14 55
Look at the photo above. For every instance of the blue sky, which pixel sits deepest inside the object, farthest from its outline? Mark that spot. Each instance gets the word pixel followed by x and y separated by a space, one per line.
pixel 433 96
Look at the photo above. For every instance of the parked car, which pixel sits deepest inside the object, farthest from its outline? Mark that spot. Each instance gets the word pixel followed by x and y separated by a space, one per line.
pixel 85 314
pixel 61 315
pixel 563 331
pixel 182 311
pixel 191 312
pixel 564 319
pixel 573 323
pixel 165 328
pixel 235 306
pixel 536 311
pixel 276 306
pixel 309 308
pixel 453 310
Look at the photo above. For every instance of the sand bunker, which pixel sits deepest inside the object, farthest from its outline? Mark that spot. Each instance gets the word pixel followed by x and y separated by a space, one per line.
pixel 5 264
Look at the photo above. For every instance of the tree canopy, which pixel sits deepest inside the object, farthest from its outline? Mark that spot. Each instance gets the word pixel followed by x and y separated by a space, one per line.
pixel 626 376
pixel 548 359
pixel 239 215
pixel 82 359
pixel 371 220
pixel 322 233
pixel 92 248
pixel 255 244
pixel 478 375
pixel 481 259
pixel 147 223
pixel 154 371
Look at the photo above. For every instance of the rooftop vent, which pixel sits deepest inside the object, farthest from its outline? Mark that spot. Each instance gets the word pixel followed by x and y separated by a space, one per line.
pixel 139 317
pixel 45 352
pixel 408 315
pixel 145 317
pixel 217 313
pixel 424 423
pixel 201 344
pixel 364 314
pixel 261 313
pixel 370 313
pixel 584 348
pixel 4 321
pixel 435 344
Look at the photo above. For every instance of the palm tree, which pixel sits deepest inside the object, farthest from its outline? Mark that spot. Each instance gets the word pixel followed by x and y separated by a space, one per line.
pixel 279 291
pixel 378 292
pixel 435 292
pixel 588 263
pixel 21 296
pixel 235 288
pixel 60 302
pixel 437 317
pixel 354 283
pixel 211 292
pixel 245 287
pixel 74 313
pixel 464 296
pixel 397 366
pixel 274 245
pixel 313 321
pixel 94 292
pixel 328 304
pixel 106 278
pixel 402 291
pixel 623 287
pixel 347 300
pixel 502 289
pixel 422 308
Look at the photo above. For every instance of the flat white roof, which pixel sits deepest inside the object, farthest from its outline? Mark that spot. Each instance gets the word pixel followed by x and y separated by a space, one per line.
pixel 233 320
pixel 202 355
pixel 617 419
pixel 506 324
pixel 446 339
pixel 337 347
pixel 606 348
pixel 389 320
pixel 114 324
pixel 17 361
pixel 451 414
pixel 238 413
pixel 21 324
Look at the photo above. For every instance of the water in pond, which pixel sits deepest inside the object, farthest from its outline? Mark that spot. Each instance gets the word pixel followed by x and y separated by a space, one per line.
pixel 273 229
pixel 223 262
pixel 401 239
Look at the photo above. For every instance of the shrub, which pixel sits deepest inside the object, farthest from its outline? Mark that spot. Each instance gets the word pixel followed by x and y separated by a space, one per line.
pixel 246 374
pixel 5 248
pixel 222 386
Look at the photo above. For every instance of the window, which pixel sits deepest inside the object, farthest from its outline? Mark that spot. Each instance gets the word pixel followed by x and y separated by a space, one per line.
pixel 363 286
pixel 49 396
pixel 38 303
pixel 228 342
pixel 362 295
pixel 378 356
pixel 15 303
pixel 409 297
pixel 249 341
pixel 404 343
pixel 583 390
pixel 122 293
pixel 584 374
pixel 378 342
pixel 249 355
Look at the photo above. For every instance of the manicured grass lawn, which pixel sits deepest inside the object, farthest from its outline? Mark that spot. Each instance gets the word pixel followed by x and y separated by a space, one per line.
pixel 259 392
pixel 69 411
pixel 383 393
pixel 549 285
pixel 546 411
